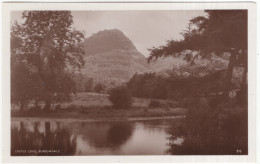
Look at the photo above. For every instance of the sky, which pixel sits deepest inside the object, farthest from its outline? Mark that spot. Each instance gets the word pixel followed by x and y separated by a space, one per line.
pixel 146 29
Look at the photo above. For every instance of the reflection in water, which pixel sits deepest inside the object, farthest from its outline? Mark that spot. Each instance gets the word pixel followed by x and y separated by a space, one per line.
pixel 119 138
pixel 186 140
pixel 27 142
pixel 89 138
pixel 104 134
pixel 155 137
pixel 119 133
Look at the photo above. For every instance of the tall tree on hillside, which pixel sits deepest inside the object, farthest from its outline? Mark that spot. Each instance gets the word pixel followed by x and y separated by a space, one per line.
pixel 218 32
pixel 48 45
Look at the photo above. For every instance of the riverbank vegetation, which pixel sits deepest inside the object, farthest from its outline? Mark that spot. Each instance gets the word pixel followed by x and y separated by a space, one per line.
pixel 98 106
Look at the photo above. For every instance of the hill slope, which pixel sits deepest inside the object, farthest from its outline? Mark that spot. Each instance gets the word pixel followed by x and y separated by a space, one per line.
pixel 111 58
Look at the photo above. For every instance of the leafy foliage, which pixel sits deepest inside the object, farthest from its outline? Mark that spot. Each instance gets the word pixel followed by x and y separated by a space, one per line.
pixel 120 97
pixel 221 31
pixel 147 85
pixel 24 85
pixel 211 131
pixel 47 46
pixel 89 84
pixel 150 85
pixel 211 124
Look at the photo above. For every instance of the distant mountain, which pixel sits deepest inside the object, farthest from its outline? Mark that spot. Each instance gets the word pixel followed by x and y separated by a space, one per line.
pixel 108 41
pixel 112 59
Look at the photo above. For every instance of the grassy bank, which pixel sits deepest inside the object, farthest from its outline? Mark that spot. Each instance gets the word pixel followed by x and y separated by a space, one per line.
pixel 103 113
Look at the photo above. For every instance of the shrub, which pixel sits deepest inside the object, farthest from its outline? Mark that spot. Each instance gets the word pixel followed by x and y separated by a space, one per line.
pixel 154 103
pixel 98 88
pixel 120 97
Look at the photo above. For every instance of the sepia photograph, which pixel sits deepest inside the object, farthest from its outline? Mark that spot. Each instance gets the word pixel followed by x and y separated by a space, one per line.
pixel 129 82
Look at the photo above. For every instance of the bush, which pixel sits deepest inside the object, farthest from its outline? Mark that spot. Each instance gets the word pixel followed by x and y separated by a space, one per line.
pixel 120 97
pixel 98 88
pixel 154 103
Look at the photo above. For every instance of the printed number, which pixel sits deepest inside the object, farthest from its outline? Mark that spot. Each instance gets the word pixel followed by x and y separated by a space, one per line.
pixel 239 151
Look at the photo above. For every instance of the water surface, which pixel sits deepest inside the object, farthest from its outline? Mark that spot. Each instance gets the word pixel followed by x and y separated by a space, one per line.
pixel 50 137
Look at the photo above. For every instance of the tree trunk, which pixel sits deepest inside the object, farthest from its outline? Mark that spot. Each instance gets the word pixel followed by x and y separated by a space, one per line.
pixel 47 106
pixel 47 143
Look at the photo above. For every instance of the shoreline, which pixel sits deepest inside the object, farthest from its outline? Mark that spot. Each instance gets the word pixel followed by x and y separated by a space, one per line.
pixel 73 119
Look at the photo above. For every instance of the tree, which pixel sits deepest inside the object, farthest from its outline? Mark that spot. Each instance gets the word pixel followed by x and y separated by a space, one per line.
pixel 48 45
pixel 148 85
pixel 218 32
pixel 24 85
pixel 99 87
pixel 120 97
pixel 89 84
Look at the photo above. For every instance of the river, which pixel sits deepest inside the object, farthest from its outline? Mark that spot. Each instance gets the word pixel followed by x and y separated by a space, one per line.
pixel 167 136
pixel 52 137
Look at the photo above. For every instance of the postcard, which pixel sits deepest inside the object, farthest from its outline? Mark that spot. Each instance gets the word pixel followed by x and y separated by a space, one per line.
pixel 129 82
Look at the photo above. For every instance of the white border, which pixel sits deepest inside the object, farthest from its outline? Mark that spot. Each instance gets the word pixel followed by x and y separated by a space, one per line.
pixel 7 7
